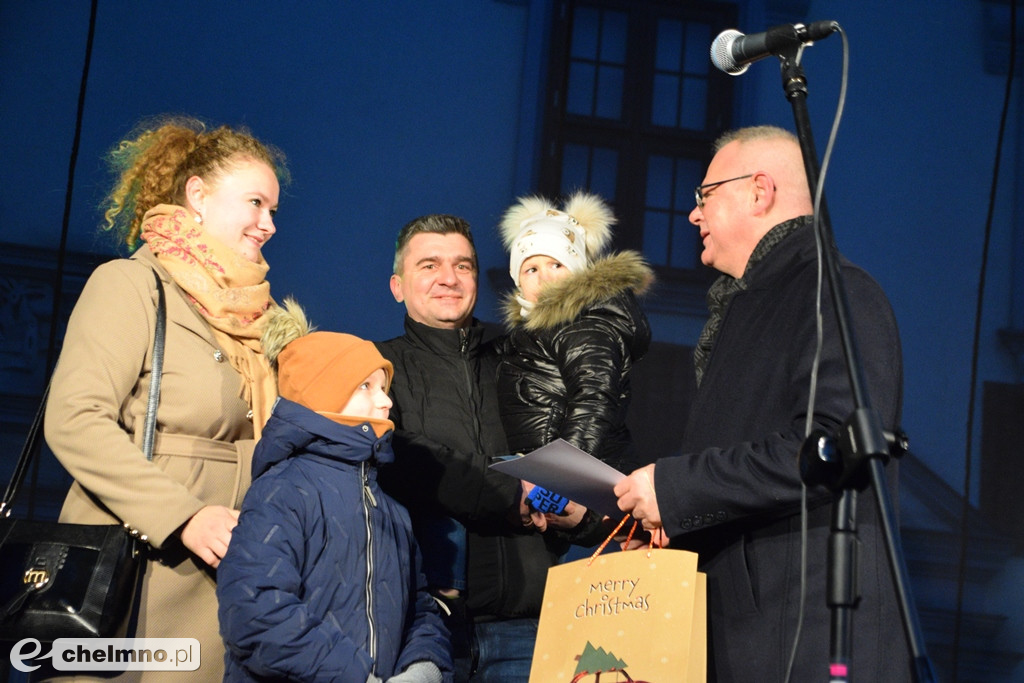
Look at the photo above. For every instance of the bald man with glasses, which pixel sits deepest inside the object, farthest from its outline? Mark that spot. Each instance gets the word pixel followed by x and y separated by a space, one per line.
pixel 734 494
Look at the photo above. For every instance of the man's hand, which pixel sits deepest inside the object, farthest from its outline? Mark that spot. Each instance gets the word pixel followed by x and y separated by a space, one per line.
pixel 636 496
pixel 657 538
pixel 528 516
pixel 208 533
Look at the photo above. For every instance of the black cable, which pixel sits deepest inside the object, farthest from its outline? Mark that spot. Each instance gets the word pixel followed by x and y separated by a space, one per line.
pixel 812 393
pixel 58 285
pixel 58 280
pixel 966 505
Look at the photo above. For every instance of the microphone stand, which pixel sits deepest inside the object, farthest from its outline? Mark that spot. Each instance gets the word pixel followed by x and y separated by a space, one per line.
pixel 863 444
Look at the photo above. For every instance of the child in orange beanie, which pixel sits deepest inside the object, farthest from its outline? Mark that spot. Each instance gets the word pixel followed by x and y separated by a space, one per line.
pixel 322 578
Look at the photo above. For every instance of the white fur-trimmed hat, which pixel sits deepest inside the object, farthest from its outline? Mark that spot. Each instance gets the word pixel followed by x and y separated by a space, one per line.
pixel 573 236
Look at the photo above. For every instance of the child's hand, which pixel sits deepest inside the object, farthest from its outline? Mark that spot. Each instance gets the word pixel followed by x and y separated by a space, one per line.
pixel 418 672
pixel 569 518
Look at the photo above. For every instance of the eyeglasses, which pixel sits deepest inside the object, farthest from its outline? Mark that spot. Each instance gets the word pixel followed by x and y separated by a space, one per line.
pixel 699 192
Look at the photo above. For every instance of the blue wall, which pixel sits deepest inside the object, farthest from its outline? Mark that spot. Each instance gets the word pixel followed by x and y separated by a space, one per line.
pixel 394 109
pixel 385 110
pixel 391 110
pixel 388 110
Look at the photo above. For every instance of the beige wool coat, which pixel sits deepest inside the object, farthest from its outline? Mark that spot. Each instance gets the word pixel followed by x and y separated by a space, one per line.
pixel 203 448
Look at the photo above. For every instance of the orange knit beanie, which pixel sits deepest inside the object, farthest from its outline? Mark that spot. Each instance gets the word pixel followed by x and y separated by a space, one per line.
pixel 321 370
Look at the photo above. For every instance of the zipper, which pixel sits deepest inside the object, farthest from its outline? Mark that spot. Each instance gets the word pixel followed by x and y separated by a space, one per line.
pixel 471 390
pixel 476 397
pixel 369 502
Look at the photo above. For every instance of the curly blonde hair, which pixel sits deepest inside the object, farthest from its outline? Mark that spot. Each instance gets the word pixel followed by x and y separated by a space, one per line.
pixel 154 162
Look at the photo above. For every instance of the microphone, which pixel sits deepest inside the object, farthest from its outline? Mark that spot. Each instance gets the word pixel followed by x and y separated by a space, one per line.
pixel 733 52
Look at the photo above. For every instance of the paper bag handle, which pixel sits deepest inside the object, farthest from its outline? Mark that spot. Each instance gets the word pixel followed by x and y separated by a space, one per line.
pixel 629 537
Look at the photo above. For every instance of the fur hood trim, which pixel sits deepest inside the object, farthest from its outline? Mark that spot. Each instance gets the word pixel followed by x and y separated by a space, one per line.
pixel 563 301
pixel 586 210
pixel 286 324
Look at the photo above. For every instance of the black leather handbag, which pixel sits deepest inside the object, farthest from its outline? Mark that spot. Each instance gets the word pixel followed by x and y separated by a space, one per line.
pixel 71 580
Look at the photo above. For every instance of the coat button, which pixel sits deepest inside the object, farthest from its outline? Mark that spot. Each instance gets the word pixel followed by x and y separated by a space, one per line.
pixel 218 356
pixel 366 428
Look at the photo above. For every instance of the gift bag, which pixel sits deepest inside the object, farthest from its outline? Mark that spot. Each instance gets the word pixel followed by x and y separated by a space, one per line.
pixel 638 615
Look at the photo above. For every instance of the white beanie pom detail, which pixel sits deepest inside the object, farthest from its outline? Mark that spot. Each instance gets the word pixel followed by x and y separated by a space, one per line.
pixel 574 237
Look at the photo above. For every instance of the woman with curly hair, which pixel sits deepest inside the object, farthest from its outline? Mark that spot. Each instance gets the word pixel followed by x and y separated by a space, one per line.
pixel 197 205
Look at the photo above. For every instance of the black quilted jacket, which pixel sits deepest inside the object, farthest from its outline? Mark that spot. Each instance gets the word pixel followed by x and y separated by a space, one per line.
pixel 564 370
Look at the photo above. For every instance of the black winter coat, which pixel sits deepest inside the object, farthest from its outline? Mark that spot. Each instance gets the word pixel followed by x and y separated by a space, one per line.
pixel 565 370
pixel 447 430
pixel 734 496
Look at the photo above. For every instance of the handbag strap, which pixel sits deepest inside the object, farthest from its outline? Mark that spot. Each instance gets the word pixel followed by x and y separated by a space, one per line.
pixel 149 429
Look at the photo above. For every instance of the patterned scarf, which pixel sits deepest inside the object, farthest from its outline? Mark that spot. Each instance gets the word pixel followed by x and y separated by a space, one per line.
pixel 725 288
pixel 228 290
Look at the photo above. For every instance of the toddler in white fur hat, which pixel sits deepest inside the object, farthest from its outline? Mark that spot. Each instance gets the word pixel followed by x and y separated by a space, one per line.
pixel 576 327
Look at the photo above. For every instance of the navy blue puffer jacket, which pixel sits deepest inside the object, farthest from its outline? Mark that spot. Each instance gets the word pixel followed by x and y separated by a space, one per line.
pixel 322 578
